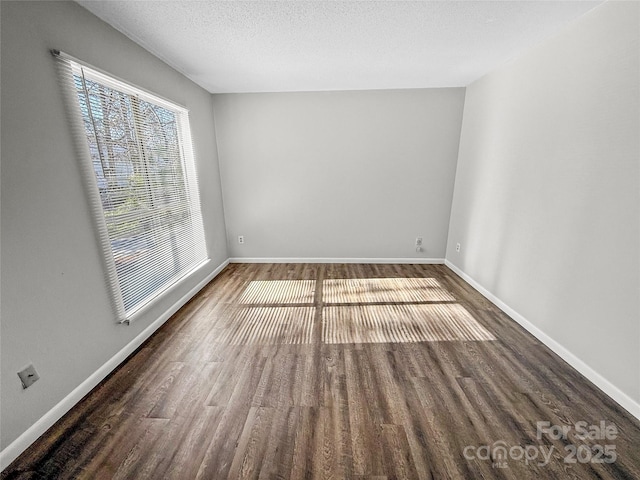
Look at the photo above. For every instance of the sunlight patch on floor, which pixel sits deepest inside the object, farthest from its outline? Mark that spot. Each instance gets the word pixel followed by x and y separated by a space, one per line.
pixel 368 290
pixel 279 291
pixel 400 324
pixel 269 326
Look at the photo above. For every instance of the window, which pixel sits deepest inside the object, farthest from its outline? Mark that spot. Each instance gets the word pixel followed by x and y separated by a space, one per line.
pixel 141 175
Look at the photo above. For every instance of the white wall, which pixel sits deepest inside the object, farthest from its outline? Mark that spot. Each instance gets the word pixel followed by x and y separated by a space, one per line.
pixel 354 174
pixel 546 204
pixel 55 303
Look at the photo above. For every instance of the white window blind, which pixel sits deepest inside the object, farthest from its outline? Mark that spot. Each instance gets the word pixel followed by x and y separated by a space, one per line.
pixel 139 165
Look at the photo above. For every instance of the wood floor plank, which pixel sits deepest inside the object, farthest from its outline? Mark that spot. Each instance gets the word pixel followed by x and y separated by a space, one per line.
pixel 373 397
pixel 280 444
pixel 307 436
pixel 192 447
pixel 251 447
pixel 401 465
pixel 366 447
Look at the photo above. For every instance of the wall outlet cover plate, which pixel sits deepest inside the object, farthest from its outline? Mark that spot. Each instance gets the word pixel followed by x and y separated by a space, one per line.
pixel 28 376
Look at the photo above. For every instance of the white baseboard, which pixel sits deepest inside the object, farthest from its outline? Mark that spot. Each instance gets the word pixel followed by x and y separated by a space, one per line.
pixel 602 383
pixel 425 261
pixel 20 444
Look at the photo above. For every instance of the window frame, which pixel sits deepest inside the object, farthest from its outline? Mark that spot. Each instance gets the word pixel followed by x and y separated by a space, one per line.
pixel 68 68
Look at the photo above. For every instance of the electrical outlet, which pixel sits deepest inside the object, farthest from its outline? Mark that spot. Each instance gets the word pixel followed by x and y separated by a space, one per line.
pixel 28 376
pixel 418 241
pixel 241 239
pixel 457 247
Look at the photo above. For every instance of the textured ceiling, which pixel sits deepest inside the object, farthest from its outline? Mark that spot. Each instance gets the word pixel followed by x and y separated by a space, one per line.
pixel 332 45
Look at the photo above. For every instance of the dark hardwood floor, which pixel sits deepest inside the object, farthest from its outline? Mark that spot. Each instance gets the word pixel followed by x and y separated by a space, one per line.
pixel 338 372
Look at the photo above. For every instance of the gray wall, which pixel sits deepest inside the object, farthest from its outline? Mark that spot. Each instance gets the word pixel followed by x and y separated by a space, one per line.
pixel 546 204
pixel 338 174
pixel 55 304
